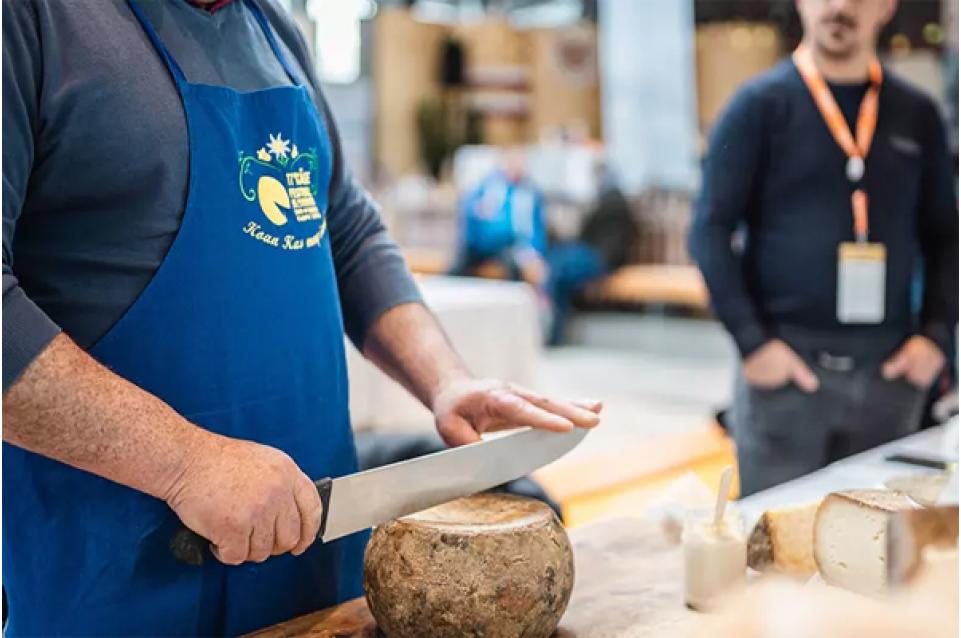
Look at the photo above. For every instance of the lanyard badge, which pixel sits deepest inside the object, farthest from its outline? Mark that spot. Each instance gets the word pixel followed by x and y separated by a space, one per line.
pixel 857 145
pixel 861 264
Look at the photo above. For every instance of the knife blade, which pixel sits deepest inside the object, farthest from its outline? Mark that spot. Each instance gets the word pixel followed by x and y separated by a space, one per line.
pixel 362 500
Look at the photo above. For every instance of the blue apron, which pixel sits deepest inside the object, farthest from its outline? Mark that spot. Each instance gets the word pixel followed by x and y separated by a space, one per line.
pixel 240 331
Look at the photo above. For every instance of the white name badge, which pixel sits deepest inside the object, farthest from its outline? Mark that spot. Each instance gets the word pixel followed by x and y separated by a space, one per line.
pixel 861 271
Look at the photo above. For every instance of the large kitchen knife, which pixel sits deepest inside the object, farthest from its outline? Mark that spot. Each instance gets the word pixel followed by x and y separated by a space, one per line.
pixel 362 500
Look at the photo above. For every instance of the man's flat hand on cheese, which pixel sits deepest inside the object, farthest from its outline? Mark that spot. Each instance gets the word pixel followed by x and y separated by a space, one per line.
pixel 466 408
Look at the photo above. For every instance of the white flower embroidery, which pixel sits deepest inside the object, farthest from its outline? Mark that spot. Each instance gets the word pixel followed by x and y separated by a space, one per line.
pixel 278 146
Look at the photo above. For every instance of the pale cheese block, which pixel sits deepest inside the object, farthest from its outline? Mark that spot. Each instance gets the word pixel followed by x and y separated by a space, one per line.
pixel 491 565
pixel 783 541
pixel 850 538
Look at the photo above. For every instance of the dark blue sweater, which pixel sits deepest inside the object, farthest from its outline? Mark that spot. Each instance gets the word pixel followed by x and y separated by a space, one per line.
pixel 774 170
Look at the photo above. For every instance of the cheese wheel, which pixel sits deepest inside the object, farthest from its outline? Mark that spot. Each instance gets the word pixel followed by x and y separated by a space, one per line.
pixel 783 541
pixel 491 565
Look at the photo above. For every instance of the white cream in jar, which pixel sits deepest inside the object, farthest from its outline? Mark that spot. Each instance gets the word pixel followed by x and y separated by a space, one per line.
pixel 715 558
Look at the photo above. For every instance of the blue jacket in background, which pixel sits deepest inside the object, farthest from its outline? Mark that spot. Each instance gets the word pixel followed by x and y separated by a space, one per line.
pixel 501 215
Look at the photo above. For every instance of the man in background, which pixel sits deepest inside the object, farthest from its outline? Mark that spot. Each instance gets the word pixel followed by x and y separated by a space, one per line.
pixel 836 171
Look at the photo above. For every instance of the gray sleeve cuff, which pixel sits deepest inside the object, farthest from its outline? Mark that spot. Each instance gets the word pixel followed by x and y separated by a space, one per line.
pixel 27 331
pixel 378 281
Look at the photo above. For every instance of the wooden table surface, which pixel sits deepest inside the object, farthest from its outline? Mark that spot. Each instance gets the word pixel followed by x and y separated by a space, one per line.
pixel 627 585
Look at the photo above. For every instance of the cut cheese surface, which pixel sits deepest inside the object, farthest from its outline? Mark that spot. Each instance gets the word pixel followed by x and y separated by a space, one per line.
pixel 850 537
pixel 783 541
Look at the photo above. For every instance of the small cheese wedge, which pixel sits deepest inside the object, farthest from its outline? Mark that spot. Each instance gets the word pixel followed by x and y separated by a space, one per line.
pixel 783 541
pixel 850 537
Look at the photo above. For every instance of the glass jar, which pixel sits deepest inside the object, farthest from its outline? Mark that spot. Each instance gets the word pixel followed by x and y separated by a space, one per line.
pixel 715 557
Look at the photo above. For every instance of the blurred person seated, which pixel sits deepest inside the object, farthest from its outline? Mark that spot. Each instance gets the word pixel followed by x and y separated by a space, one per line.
pixel 837 171
pixel 502 230
pixel 603 245
pixel 504 235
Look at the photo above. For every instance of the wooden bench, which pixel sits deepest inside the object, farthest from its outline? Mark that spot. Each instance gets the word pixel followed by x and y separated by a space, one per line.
pixel 426 262
pixel 625 482
pixel 634 285
pixel 641 284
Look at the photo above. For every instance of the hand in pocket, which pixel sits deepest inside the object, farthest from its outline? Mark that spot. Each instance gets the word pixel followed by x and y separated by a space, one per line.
pixel 918 361
pixel 775 364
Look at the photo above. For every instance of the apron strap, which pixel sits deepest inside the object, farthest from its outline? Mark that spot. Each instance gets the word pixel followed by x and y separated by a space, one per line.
pixel 169 60
pixel 272 40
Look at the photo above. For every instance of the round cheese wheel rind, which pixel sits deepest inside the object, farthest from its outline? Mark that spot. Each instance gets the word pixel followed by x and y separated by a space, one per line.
pixel 491 565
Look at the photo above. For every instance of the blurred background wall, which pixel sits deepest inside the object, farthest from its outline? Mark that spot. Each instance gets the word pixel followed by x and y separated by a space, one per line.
pixel 421 88
pixel 597 95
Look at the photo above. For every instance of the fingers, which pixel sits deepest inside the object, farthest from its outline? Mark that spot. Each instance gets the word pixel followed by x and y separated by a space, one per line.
pixel 580 416
pixel 261 541
pixel 896 366
pixel 287 530
pixel 804 377
pixel 293 528
pixel 234 548
pixel 518 412
pixel 310 511
pixel 593 405
pixel 458 431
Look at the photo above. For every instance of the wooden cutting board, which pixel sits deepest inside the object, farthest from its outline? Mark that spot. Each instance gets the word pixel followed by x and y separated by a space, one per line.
pixel 628 582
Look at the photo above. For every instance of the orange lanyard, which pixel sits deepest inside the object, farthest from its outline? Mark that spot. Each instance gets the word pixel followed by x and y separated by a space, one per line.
pixel 856 148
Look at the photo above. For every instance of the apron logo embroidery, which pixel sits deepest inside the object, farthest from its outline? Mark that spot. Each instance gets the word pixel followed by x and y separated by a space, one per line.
pixel 283 181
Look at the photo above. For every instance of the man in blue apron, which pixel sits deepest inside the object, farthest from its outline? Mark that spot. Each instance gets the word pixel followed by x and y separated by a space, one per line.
pixel 183 249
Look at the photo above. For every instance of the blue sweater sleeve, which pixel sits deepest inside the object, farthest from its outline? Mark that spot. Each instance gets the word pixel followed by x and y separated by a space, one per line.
pixel 734 159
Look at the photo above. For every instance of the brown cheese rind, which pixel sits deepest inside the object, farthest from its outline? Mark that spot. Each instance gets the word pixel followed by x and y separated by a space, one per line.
pixel 491 565
pixel 760 547
pixel 783 541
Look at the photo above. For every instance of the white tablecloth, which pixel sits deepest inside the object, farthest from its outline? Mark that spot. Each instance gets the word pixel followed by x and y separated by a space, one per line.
pixel 494 325
pixel 865 470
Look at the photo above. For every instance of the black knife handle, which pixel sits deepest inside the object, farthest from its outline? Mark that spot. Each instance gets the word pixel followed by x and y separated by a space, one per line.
pixel 190 548
pixel 323 488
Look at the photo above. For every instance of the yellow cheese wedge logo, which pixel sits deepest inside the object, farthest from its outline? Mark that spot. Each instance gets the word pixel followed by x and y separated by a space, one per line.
pixel 283 181
pixel 272 195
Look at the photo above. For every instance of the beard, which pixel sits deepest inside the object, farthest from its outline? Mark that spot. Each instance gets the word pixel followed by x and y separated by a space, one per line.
pixel 837 36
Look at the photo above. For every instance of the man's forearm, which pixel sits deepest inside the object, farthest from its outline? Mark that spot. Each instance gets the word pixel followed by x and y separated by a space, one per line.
pixel 68 407
pixel 408 344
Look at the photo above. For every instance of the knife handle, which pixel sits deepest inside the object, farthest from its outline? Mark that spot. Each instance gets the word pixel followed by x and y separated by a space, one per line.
pixel 190 548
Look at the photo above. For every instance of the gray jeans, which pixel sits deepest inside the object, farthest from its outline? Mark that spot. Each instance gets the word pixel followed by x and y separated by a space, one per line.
pixel 784 433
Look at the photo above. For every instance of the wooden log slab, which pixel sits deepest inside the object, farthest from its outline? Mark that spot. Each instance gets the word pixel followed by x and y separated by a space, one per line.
pixel 628 584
